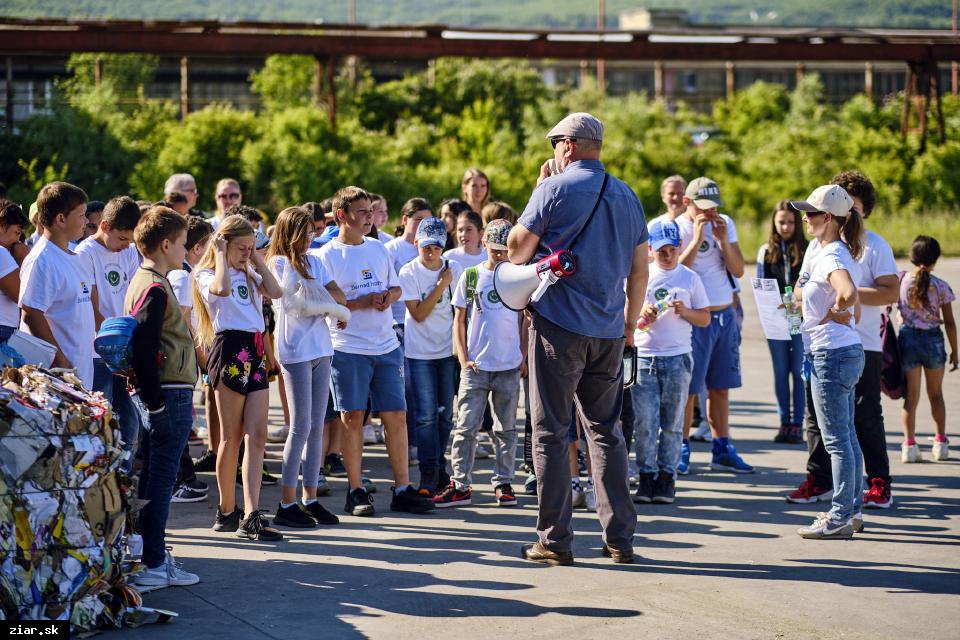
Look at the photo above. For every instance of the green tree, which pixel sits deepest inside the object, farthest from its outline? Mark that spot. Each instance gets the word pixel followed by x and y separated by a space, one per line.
pixel 285 81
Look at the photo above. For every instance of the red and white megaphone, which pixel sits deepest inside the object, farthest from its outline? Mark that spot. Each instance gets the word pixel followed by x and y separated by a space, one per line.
pixel 519 285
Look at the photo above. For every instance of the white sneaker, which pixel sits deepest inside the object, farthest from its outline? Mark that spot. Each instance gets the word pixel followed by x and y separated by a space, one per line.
pixel 169 574
pixel 278 434
pixel 910 453
pixel 823 529
pixel 633 474
pixel 941 450
pixel 578 498
pixel 590 497
pixel 369 434
pixel 702 434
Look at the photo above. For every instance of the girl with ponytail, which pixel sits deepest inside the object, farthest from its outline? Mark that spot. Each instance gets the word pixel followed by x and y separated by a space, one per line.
pixel 231 282
pixel 925 306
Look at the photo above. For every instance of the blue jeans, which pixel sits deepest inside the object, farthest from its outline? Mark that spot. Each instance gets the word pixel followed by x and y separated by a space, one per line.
pixel 659 398
pixel 787 356
pixel 129 415
pixel 167 432
pixel 833 379
pixel 433 390
pixel 409 396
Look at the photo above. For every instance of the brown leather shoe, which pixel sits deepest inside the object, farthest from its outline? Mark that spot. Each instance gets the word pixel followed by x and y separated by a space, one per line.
pixel 620 557
pixel 536 552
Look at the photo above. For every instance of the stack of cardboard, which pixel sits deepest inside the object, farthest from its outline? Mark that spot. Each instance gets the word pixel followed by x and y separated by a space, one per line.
pixel 62 507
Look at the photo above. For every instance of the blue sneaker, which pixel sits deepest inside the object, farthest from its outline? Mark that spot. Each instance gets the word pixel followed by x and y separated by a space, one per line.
pixel 683 467
pixel 729 461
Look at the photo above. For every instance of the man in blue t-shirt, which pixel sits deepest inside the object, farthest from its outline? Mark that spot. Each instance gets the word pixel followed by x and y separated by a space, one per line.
pixel 578 332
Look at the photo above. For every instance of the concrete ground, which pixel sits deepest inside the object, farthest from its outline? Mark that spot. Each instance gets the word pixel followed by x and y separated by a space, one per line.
pixel 722 562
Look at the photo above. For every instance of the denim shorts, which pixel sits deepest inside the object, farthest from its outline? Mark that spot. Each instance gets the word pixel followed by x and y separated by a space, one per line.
pixel 356 377
pixel 716 353
pixel 921 348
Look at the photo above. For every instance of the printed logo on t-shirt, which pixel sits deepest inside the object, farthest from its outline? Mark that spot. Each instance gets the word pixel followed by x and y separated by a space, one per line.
pixel 704 246
pixel 366 274
pixel 84 287
pixel 492 297
pixel 113 278
pixel 660 293
pixel 803 279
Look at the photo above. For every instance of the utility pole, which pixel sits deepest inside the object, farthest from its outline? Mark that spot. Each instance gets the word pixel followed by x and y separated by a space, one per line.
pixel 601 63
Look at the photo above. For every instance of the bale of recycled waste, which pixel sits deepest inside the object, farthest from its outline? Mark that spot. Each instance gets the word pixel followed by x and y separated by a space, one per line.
pixel 62 507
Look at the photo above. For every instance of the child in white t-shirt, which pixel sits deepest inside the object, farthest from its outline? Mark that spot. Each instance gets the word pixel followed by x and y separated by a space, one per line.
pixel 56 285
pixel 676 302
pixel 469 251
pixel 231 281
pixel 487 335
pixel 426 284
pixel 367 358
pixel 112 259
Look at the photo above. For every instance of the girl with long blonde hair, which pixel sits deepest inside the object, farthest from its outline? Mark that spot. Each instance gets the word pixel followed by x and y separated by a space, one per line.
pixel 232 280
pixel 305 352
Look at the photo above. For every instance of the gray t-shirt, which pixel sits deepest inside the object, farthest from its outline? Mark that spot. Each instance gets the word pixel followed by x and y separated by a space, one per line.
pixel 590 302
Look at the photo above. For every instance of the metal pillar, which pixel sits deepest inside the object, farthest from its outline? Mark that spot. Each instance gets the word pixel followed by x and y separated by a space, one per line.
pixel 9 94
pixel 658 83
pixel 731 80
pixel 184 89
pixel 868 79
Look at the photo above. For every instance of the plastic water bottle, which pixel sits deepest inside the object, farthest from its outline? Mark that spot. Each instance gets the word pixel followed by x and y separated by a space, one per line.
pixel 793 310
pixel 662 307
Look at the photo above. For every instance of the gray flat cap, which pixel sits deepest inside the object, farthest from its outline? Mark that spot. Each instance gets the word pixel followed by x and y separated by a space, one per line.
pixel 578 125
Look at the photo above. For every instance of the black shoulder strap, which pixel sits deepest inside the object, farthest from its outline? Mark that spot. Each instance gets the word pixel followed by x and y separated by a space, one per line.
pixel 596 205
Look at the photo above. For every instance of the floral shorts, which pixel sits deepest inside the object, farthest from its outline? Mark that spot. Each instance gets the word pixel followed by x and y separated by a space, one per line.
pixel 239 361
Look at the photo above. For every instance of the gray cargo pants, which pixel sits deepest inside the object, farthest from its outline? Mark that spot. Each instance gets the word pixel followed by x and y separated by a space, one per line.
pixel 567 368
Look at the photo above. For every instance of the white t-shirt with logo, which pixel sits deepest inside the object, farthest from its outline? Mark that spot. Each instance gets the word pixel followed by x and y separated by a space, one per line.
pixel 877 261
pixel 242 310
pixel 401 252
pixel 493 330
pixel 464 259
pixel 432 338
pixel 112 271
pixel 709 263
pixel 819 296
pixel 360 270
pixel 9 311
pixel 301 339
pixel 181 281
pixel 58 283
pixel 671 335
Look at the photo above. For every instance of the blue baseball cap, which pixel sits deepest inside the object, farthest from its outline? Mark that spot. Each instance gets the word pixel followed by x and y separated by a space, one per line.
pixel 431 231
pixel 664 232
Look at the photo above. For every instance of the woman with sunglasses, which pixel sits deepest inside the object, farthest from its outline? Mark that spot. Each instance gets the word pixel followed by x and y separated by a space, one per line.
pixel 228 194
pixel 834 352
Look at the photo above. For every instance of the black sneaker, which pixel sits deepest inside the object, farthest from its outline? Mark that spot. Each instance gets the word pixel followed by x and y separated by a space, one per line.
pixel 428 483
pixel 206 462
pixel 359 503
pixel 320 514
pixel 783 435
pixel 196 484
pixel 293 516
pixel 333 466
pixel 644 492
pixel 267 479
pixel 410 501
pixel 229 522
pixel 183 493
pixel 665 489
pixel 254 527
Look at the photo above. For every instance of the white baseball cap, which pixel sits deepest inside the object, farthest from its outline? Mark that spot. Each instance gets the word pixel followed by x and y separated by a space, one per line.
pixel 830 198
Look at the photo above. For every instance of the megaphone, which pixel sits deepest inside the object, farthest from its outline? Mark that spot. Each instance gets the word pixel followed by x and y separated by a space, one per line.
pixel 519 285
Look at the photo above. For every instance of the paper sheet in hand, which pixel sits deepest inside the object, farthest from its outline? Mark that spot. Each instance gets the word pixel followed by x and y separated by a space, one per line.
pixel 773 319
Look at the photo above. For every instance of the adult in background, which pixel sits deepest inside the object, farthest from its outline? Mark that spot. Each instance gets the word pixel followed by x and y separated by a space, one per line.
pixel 877 285
pixel 475 189
pixel 578 333
pixel 185 184
pixel 228 194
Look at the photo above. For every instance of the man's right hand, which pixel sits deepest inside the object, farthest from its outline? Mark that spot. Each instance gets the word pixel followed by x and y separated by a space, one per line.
pixel 546 170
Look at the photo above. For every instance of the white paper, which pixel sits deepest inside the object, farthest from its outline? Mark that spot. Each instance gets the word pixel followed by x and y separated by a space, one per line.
pixel 773 319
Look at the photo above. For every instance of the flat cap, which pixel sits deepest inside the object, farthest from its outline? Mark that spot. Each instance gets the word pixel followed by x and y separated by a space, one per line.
pixel 578 125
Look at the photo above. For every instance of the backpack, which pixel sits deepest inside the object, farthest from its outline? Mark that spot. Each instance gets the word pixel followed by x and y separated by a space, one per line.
pixel 892 382
pixel 114 341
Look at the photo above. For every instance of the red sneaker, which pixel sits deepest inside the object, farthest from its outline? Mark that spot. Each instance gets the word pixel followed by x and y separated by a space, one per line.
pixel 505 495
pixel 878 496
pixel 809 492
pixel 451 497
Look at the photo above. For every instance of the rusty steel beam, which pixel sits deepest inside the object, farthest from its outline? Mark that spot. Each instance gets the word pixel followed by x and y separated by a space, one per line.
pixel 64 40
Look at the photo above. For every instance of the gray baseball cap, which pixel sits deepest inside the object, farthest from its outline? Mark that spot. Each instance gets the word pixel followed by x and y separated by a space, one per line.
pixel 578 125
pixel 705 193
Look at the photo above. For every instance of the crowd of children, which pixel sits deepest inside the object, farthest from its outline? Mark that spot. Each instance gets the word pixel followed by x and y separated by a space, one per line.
pixel 412 330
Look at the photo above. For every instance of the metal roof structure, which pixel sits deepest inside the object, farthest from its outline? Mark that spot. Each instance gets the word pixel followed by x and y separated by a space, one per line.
pixel 732 43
